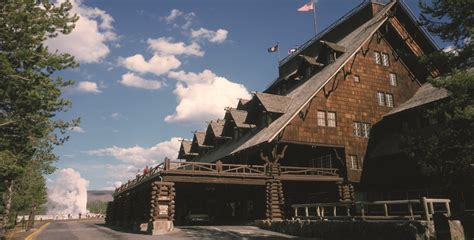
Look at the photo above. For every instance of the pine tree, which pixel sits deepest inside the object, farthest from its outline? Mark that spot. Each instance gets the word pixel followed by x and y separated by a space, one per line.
pixel 447 154
pixel 30 91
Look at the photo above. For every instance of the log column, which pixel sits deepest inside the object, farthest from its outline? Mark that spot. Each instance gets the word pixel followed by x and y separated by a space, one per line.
pixel 162 208
pixel 345 192
pixel 275 199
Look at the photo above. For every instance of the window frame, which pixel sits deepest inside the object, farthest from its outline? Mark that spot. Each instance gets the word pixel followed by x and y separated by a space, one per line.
pixel 385 59
pixel 325 117
pixel 378 58
pixel 381 98
pixel 389 102
pixel 366 129
pixel 354 161
pixel 321 120
pixel 356 78
pixel 392 77
pixel 361 129
pixel 331 120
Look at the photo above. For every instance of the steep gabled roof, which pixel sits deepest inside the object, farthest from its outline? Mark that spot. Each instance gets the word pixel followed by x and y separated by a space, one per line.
pixel 273 103
pixel 185 149
pixel 424 95
pixel 199 138
pixel 217 127
pixel 242 105
pixel 301 95
pixel 239 117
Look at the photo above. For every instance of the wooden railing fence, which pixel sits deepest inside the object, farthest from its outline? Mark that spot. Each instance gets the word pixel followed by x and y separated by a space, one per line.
pixel 414 209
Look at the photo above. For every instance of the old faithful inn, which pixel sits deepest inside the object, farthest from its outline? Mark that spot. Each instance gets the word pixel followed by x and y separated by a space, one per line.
pixel 324 131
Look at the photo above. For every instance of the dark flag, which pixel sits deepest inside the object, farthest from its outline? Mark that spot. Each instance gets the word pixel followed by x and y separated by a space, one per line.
pixel 274 48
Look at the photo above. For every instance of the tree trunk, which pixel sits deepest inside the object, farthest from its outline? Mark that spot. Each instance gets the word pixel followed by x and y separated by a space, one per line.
pixel 31 218
pixel 7 201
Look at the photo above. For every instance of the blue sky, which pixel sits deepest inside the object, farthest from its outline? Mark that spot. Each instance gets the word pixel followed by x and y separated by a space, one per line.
pixel 154 71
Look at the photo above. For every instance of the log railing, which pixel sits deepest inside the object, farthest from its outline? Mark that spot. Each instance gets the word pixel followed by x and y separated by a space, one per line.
pixel 414 209
pixel 222 169
pixel 309 171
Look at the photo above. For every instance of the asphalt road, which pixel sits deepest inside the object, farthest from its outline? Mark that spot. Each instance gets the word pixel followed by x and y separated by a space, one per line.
pixel 71 230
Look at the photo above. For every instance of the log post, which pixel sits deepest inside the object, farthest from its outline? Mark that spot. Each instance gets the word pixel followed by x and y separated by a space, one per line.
pixel 275 199
pixel 162 208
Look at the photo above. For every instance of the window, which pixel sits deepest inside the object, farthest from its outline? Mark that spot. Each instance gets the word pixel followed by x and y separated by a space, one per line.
pixel 357 128
pixel 385 99
pixel 354 162
pixel 356 78
pixel 381 98
pixel 326 118
pixel 331 117
pixel 361 129
pixel 389 99
pixel 321 118
pixel 393 79
pixel 377 58
pixel 385 60
pixel 365 130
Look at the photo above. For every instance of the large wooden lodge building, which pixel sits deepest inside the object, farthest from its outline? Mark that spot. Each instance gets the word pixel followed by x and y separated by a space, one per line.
pixel 359 73
pixel 329 94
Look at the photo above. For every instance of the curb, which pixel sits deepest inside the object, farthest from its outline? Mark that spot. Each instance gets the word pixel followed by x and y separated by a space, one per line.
pixel 32 235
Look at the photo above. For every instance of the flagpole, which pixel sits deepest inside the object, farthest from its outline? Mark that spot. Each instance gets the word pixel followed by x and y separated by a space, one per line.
pixel 278 50
pixel 314 17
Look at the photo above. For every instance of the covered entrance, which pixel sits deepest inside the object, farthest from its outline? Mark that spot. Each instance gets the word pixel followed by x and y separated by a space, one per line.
pixel 223 204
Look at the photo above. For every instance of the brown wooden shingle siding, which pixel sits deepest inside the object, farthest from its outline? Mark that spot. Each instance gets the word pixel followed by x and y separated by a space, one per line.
pixel 353 101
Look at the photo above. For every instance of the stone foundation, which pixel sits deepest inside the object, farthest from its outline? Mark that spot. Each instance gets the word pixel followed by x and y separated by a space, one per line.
pixel 159 227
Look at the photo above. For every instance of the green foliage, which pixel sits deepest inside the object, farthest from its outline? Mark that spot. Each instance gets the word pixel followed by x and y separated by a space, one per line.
pixel 447 153
pixel 30 96
pixel 30 190
pixel 453 22
pixel 98 207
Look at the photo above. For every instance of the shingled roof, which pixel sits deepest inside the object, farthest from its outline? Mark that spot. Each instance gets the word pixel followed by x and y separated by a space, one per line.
pixel 239 117
pixel 199 138
pixel 424 95
pixel 185 149
pixel 301 95
pixel 217 127
pixel 242 105
pixel 273 103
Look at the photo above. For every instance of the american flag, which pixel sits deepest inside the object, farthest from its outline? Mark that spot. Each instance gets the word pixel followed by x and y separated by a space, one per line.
pixel 307 7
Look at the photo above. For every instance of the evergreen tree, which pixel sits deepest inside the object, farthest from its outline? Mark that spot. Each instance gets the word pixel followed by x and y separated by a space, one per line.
pixel 447 154
pixel 30 96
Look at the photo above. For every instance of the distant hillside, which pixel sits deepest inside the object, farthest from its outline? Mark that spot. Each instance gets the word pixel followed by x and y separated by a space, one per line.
pixel 98 195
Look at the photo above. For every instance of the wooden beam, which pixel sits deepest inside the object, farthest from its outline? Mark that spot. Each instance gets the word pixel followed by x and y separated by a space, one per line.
pixel 204 179
pixel 309 178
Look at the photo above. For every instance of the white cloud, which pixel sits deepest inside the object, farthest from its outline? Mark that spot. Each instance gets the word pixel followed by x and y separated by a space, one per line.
pixel 203 96
pixel 156 65
pixel 131 80
pixel 165 46
pixel 87 87
pixel 218 36
pixel 173 15
pixel 78 129
pixel 68 193
pixel 88 41
pixel 140 156
pixel 115 115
